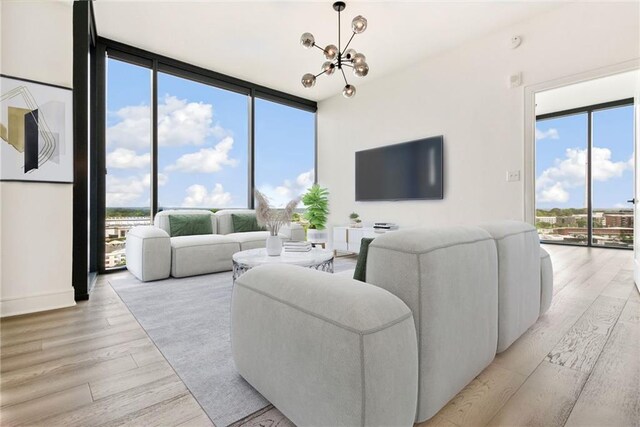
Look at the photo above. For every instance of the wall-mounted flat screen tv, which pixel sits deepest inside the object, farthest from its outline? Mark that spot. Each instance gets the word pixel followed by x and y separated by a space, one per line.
pixel 408 171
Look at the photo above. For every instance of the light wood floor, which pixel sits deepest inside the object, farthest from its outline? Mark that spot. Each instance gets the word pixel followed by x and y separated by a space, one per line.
pixel 578 365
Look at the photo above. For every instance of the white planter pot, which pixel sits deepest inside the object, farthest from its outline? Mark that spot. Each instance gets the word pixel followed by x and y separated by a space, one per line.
pixel 317 236
pixel 274 245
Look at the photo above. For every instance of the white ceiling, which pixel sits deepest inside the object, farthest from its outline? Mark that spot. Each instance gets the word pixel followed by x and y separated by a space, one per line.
pixel 259 41
pixel 591 92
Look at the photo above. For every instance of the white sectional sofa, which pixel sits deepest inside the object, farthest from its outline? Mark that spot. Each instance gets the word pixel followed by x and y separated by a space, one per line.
pixel 325 350
pixel 472 291
pixel 448 277
pixel 519 292
pixel 152 254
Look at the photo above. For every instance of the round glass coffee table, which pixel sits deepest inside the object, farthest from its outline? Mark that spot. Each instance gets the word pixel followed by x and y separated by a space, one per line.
pixel 319 259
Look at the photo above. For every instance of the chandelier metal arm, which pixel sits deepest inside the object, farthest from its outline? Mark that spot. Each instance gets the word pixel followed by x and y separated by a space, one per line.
pixel 319 74
pixel 316 45
pixel 344 77
pixel 349 42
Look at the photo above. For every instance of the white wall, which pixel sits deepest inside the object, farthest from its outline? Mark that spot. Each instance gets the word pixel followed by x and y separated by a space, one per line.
pixel 36 219
pixel 463 95
pixel 597 91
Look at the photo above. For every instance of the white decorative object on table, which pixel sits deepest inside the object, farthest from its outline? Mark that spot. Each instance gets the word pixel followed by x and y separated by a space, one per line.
pixel 273 219
pixel 319 259
pixel 302 246
pixel 274 245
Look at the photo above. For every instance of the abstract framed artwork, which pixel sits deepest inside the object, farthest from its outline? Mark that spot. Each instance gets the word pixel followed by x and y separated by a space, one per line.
pixel 36 131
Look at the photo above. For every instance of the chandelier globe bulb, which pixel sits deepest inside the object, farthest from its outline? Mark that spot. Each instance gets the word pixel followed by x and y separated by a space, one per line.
pixel 349 91
pixel 359 24
pixel 308 80
pixel 361 69
pixel 307 40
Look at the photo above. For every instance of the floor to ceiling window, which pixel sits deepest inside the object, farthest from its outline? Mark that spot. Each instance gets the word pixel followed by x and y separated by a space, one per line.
pixel 284 151
pixel 176 136
pixel 202 145
pixel 584 176
pixel 128 155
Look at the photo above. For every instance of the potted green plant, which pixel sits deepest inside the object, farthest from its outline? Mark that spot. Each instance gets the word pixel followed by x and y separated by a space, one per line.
pixel 316 200
pixel 300 219
pixel 355 220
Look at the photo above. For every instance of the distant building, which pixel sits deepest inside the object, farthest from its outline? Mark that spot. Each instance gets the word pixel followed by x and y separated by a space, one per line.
pixel 546 219
pixel 566 221
pixel 618 220
pixel 117 228
pixel 608 231
pixel 115 258
pixel 115 232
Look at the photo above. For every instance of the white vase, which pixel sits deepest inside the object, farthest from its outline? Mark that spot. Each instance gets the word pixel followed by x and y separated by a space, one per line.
pixel 274 245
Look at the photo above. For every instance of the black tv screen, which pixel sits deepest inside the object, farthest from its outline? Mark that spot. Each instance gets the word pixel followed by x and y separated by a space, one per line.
pixel 407 171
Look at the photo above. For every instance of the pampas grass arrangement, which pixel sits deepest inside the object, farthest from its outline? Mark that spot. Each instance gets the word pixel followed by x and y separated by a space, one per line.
pixel 273 218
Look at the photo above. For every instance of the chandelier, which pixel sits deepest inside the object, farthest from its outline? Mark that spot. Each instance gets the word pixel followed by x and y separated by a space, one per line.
pixel 337 57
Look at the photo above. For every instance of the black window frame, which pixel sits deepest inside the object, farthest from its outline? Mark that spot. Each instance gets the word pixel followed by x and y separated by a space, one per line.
pixel 84 262
pixel 588 110
pixel 107 48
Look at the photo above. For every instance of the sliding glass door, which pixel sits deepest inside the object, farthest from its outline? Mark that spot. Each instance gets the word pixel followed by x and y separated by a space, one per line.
pixel 584 176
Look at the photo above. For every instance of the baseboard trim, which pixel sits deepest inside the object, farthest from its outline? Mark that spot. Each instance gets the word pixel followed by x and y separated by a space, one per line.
pixel 35 303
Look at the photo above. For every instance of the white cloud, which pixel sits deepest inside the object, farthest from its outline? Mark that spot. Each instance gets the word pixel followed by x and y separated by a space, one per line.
pixel 554 183
pixel 123 158
pixel 127 191
pixel 133 129
pixel 551 133
pixel 280 195
pixel 555 193
pixel 182 123
pixel 162 179
pixel 179 123
pixel 603 168
pixel 207 160
pixel 199 196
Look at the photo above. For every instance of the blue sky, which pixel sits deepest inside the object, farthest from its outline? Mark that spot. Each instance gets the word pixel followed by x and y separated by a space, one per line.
pixel 561 145
pixel 203 143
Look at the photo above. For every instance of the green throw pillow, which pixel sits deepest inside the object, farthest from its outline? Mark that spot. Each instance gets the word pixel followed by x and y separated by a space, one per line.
pixel 189 225
pixel 245 222
pixel 361 265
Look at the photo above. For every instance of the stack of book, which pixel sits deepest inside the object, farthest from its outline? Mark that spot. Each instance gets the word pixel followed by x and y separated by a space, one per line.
pixel 297 246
